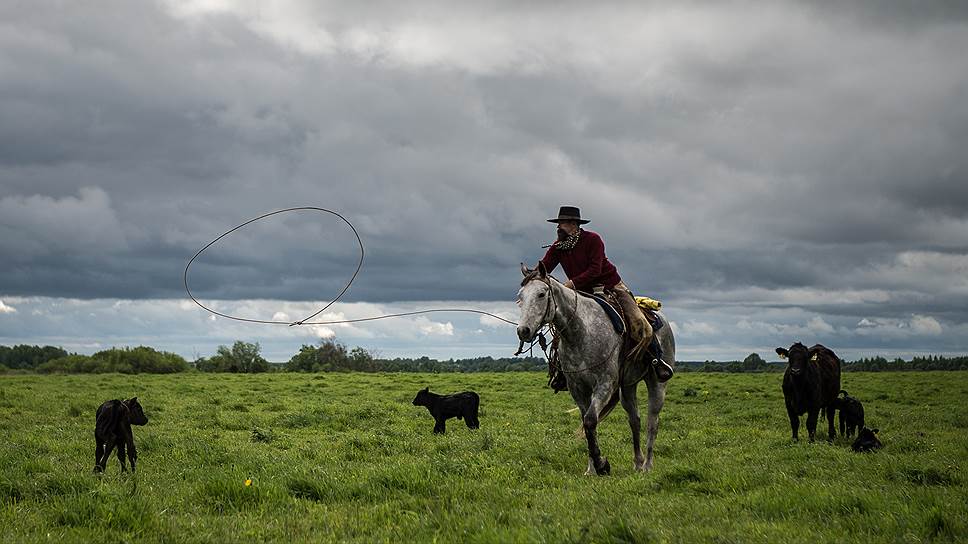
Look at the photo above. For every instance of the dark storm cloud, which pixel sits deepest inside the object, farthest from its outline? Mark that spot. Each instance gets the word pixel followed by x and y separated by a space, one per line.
pixel 818 149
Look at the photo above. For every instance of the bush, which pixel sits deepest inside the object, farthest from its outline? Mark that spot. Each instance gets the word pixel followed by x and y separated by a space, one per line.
pixel 139 360
pixel 24 356
pixel 330 355
pixel 241 357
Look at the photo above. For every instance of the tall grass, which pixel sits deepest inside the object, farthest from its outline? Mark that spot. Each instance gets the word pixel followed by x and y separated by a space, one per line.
pixel 346 457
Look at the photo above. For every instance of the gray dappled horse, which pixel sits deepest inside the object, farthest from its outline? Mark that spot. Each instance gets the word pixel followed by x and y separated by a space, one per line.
pixel 588 352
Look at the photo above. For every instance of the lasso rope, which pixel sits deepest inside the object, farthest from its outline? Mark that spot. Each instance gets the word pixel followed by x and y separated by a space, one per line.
pixel 305 320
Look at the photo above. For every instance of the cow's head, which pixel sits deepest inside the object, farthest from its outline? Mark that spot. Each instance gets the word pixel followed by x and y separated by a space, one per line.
pixel 422 398
pixel 798 357
pixel 136 414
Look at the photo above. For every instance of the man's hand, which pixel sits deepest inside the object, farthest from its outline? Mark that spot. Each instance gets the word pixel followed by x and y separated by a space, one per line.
pixel 570 284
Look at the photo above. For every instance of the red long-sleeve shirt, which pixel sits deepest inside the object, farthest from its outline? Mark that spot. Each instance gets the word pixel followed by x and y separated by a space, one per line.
pixel 585 264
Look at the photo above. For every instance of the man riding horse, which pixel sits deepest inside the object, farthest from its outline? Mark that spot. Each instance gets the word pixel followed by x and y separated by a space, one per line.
pixel 581 254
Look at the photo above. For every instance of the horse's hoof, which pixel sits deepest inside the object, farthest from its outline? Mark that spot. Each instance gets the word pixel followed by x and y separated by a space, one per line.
pixel 604 469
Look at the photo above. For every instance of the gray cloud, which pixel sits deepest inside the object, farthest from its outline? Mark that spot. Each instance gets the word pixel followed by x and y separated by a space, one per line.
pixel 817 151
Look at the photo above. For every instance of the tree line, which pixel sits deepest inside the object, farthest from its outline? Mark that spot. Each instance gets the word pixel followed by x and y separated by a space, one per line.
pixel 754 363
pixel 243 357
pixel 333 356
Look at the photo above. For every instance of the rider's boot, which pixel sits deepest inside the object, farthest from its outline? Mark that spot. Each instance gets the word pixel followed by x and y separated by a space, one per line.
pixel 640 332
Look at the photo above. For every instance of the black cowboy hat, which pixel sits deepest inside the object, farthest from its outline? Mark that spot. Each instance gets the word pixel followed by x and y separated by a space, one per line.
pixel 569 213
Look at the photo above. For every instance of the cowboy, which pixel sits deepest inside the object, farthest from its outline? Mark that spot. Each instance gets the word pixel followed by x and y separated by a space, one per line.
pixel 581 254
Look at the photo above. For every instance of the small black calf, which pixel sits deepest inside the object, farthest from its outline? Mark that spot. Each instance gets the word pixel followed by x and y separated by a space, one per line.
pixel 112 428
pixel 443 407
pixel 866 440
pixel 851 414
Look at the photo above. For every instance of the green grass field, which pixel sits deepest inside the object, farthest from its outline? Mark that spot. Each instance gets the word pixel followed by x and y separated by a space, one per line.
pixel 346 457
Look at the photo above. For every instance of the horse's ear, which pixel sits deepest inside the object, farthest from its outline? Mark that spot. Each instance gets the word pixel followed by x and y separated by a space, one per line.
pixel 524 270
pixel 542 271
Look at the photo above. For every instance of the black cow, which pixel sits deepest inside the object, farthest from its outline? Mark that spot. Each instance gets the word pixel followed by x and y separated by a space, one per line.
pixel 851 414
pixel 112 428
pixel 810 384
pixel 866 440
pixel 443 407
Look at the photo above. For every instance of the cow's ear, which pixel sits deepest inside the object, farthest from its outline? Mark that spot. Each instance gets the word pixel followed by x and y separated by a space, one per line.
pixel 815 357
pixel 875 431
pixel 782 352
pixel 134 399
pixel 426 389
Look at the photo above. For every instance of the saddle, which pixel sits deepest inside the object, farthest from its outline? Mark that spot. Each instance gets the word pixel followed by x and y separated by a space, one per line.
pixel 615 313
pixel 612 310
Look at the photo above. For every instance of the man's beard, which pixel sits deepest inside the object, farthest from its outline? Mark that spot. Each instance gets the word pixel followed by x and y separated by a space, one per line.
pixel 562 235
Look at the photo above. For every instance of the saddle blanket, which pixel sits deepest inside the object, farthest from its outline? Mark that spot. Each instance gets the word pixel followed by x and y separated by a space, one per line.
pixel 617 322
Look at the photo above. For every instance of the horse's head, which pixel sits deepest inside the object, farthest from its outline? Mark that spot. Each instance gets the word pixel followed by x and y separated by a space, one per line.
pixel 535 301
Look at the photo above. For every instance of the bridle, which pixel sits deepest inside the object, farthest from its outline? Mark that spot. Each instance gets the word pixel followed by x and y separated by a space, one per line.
pixel 552 308
pixel 552 304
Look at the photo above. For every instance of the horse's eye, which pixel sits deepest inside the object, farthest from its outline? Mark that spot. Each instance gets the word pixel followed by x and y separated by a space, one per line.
pixel 541 295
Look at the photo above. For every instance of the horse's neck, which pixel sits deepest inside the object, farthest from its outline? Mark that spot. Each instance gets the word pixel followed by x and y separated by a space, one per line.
pixel 567 318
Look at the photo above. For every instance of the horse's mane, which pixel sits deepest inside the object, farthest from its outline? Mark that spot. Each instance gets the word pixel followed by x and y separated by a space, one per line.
pixel 533 274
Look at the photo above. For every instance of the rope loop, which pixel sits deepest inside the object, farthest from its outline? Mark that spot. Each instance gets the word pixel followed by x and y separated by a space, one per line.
pixel 306 320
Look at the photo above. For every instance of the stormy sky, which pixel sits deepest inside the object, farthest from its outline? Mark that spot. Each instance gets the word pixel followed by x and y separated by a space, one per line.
pixel 773 172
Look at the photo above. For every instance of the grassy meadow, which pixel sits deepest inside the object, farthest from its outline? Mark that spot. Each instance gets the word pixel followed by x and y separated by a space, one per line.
pixel 346 457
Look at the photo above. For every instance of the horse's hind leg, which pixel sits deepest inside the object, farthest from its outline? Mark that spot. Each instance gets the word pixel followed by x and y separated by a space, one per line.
pixel 656 400
pixel 630 403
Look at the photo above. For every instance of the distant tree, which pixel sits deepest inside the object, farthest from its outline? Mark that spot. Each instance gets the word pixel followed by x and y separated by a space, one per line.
pixel 141 359
pixel 24 356
pixel 329 355
pixel 753 362
pixel 74 364
pixel 242 357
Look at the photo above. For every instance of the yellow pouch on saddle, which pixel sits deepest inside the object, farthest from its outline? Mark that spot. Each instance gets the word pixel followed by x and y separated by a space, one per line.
pixel 647 303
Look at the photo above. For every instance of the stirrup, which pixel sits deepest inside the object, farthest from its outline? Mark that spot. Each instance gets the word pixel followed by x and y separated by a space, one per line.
pixel 558 382
pixel 662 370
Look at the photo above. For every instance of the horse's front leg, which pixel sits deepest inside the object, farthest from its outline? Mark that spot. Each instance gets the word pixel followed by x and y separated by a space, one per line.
pixel 590 423
pixel 631 406
pixel 656 400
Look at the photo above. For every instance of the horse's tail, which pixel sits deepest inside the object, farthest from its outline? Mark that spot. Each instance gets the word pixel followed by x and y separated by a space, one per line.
pixel 610 405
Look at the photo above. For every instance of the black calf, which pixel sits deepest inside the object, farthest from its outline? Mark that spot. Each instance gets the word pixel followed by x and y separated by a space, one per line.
pixel 112 428
pixel 443 407
pixel 851 414
pixel 866 440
